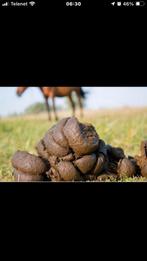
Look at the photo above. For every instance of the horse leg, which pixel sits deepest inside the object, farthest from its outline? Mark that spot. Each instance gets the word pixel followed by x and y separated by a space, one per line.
pixel 81 105
pixel 72 104
pixel 54 108
pixel 48 108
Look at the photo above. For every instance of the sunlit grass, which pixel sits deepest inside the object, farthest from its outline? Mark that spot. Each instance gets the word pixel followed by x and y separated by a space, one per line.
pixel 124 128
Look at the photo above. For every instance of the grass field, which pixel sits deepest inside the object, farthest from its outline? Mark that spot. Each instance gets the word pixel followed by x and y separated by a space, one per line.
pixel 122 127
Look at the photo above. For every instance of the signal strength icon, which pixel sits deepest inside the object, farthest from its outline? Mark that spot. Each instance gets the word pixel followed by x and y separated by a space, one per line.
pixel 32 3
pixel 5 4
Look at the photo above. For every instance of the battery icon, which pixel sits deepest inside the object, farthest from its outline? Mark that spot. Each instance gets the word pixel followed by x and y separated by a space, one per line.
pixel 141 3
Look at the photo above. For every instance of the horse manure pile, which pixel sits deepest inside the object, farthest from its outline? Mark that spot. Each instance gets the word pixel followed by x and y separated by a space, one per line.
pixel 72 151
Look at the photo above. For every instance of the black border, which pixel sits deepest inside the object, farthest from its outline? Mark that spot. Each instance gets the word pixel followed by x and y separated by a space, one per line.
pixel 96 46
pixel 66 198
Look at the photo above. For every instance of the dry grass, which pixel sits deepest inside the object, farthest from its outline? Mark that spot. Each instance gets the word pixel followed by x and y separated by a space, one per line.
pixel 124 127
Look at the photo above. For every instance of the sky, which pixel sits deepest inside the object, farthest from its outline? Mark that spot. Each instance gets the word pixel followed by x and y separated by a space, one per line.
pixel 97 98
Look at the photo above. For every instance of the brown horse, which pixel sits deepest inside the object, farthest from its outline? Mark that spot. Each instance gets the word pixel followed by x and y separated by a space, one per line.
pixel 52 92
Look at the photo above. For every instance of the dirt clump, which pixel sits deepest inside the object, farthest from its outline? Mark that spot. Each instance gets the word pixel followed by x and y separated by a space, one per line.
pixel 141 160
pixel 28 167
pixel 73 151
pixel 126 168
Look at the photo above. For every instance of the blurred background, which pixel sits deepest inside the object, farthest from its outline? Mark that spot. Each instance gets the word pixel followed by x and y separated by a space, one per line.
pixel 97 98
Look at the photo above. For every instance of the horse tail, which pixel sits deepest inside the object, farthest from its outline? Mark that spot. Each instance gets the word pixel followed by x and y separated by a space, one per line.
pixel 82 93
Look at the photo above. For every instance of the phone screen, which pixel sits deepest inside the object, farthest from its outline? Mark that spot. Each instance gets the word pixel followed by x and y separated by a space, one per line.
pixel 73 88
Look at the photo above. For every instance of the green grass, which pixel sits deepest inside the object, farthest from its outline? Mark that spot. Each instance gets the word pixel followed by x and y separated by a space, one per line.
pixel 125 128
